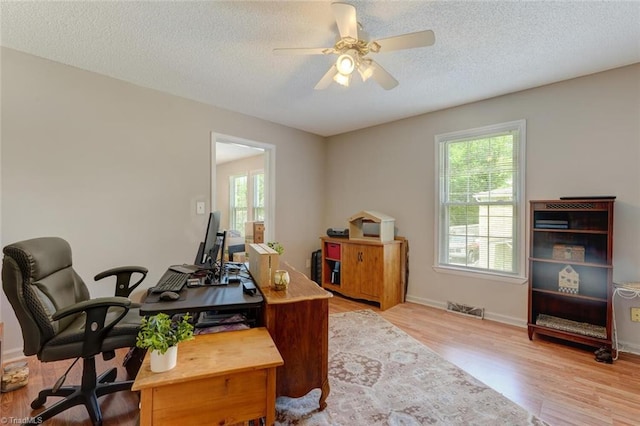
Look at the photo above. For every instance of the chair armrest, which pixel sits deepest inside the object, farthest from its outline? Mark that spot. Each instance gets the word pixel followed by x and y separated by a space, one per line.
pixel 123 278
pixel 120 269
pixel 99 302
pixel 95 328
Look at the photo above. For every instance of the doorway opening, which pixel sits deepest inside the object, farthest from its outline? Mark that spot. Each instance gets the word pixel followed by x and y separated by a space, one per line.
pixel 243 183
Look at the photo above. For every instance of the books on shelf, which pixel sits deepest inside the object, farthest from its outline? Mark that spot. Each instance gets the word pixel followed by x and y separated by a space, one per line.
pixel 552 224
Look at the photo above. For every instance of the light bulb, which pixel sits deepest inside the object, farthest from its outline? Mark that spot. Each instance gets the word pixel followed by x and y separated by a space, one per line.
pixel 345 64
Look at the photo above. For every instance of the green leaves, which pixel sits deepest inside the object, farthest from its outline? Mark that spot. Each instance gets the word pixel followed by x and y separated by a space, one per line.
pixel 159 332
pixel 276 246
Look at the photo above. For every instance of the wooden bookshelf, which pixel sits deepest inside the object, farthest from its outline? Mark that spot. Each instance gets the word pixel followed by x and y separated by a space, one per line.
pixel 570 270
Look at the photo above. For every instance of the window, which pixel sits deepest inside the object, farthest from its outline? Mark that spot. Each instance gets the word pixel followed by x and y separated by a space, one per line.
pixel 246 199
pixel 258 196
pixel 480 216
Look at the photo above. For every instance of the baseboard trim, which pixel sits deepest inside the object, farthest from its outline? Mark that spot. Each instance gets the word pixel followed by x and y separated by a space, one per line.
pixel 625 347
pixel 12 355
pixel 518 322
pixel 505 319
pixel 427 302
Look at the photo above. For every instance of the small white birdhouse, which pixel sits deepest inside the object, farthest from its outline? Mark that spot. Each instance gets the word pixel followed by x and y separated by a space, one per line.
pixel 383 225
pixel 568 280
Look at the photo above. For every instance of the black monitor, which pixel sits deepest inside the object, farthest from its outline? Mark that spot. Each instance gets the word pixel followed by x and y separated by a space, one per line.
pixel 211 251
pixel 208 250
pixel 222 239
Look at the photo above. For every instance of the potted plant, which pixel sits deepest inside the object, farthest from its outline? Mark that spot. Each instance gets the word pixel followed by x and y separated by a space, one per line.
pixel 276 246
pixel 161 334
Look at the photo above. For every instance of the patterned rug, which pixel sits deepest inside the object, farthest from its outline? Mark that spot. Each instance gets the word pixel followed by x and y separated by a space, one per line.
pixel 379 375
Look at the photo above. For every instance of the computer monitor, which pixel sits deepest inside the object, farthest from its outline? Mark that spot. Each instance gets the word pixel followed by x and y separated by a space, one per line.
pixel 208 250
pixel 222 239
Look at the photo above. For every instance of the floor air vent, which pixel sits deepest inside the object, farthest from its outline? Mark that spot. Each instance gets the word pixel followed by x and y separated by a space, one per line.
pixel 470 311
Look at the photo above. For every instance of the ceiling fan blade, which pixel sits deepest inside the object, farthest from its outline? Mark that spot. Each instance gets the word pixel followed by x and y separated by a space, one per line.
pixel 327 79
pixel 345 15
pixel 407 41
pixel 303 51
pixel 382 77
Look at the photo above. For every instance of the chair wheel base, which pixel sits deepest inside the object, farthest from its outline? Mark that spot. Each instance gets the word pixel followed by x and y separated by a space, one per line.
pixel 86 394
pixel 38 402
pixel 108 376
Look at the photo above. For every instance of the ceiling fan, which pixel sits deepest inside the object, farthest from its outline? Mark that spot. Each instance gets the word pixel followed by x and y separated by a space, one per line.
pixel 353 50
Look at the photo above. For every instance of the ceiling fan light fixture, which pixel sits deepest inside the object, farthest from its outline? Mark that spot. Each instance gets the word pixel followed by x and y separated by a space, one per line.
pixel 365 69
pixel 342 79
pixel 353 46
pixel 345 64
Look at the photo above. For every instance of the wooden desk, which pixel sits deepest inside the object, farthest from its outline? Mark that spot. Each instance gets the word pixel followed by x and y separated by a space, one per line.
pixel 220 379
pixel 298 321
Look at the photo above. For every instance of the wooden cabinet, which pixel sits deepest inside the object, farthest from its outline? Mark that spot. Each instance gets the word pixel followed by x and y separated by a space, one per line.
pixel 570 270
pixel 365 270
pixel 298 320
pixel 220 379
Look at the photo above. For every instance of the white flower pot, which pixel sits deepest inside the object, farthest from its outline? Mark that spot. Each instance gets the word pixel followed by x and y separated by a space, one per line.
pixel 164 362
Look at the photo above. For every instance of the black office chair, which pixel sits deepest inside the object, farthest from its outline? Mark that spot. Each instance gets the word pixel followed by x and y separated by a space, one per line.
pixel 123 278
pixel 59 321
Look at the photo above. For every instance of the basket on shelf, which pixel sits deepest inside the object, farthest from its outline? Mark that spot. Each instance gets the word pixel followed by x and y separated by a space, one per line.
pixel 567 252
pixel 583 328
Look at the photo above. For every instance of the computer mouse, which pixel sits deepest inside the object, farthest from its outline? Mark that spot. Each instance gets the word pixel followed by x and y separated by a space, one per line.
pixel 169 296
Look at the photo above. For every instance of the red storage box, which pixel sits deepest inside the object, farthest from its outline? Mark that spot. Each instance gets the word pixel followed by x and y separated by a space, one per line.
pixel 333 250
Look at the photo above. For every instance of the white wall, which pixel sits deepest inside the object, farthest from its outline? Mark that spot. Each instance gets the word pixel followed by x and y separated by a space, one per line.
pixel 116 169
pixel 583 138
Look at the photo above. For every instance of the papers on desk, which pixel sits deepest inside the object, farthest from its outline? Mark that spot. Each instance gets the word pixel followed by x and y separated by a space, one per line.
pixel 216 323
pixel 221 328
pixel 208 319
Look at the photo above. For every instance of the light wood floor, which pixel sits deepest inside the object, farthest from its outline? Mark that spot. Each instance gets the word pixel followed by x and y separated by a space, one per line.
pixel 563 385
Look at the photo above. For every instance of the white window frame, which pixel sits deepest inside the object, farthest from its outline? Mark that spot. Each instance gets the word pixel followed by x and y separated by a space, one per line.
pixel 519 235
pixel 254 194
pixel 232 200
pixel 251 197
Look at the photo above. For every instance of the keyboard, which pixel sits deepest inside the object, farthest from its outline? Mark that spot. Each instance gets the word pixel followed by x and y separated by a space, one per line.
pixel 171 281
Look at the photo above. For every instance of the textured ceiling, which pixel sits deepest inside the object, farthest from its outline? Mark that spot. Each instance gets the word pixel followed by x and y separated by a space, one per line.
pixel 220 53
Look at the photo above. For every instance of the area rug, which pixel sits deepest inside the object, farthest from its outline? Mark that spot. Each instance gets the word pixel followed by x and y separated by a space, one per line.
pixel 379 375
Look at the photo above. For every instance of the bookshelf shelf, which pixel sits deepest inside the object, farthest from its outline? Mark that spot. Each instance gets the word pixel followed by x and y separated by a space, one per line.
pixel 569 295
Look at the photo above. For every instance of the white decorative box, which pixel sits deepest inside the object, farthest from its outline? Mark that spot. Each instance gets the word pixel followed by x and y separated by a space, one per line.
pixel 263 263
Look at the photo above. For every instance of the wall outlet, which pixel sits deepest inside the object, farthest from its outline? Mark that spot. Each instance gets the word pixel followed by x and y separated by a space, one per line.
pixel 635 314
pixel 308 263
pixel 200 207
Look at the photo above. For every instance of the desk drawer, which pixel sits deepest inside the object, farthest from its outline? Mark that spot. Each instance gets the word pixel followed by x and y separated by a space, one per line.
pixel 226 399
